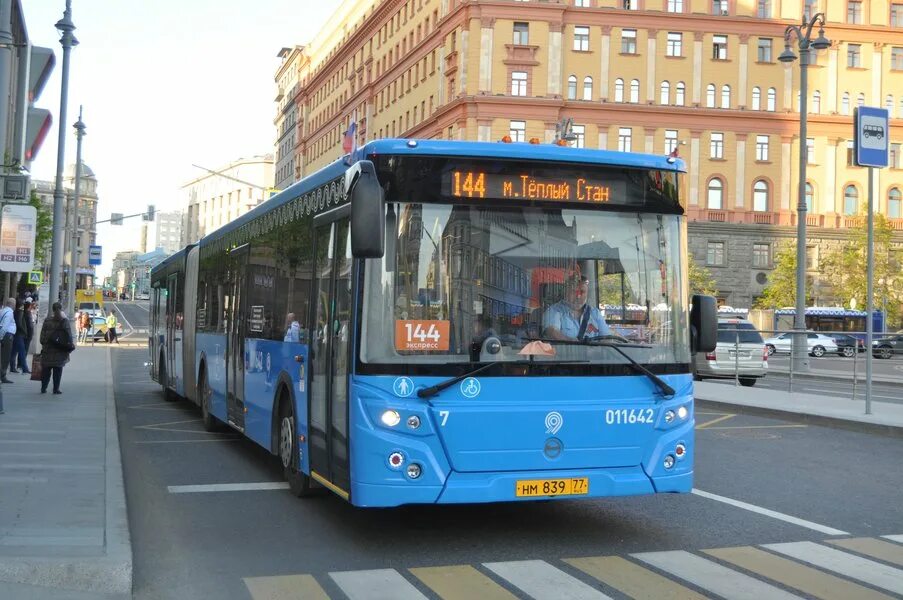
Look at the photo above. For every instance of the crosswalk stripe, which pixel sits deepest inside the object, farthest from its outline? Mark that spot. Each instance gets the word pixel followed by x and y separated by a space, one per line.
pixel 377 584
pixel 285 587
pixel 795 575
pixel 879 549
pixel 633 580
pixel 848 565
pixel 540 580
pixel 894 538
pixel 712 576
pixel 461 582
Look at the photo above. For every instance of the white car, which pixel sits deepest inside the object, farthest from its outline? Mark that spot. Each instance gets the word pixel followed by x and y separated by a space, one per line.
pixel 818 344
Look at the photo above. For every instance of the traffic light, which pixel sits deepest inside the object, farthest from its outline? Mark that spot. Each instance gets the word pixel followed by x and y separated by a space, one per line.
pixel 149 215
pixel 37 120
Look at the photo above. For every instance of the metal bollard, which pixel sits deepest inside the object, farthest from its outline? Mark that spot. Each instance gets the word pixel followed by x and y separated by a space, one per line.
pixel 855 373
pixel 737 357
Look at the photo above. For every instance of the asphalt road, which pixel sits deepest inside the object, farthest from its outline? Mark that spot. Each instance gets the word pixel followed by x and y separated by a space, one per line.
pixel 881 392
pixel 133 316
pixel 269 544
pixel 839 365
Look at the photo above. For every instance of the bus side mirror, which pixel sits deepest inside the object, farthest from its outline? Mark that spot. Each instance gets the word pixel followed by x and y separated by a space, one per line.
pixel 703 324
pixel 368 210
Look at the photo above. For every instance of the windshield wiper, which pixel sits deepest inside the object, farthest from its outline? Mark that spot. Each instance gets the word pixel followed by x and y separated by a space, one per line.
pixel 435 389
pixel 666 389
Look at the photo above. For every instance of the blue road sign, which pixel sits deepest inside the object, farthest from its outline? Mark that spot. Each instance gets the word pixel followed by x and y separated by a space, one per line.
pixel 94 255
pixel 871 132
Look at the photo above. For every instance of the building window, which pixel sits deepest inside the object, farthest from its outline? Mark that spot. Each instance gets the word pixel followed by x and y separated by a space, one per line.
pixel 719 7
pixel 810 151
pixel 581 38
pixel 896 14
pixel 619 90
pixel 710 95
pixel 761 256
pixel 894 199
pixel 772 99
pixel 764 54
pixel 762 147
pixel 634 91
pixel 760 196
pixel 572 87
pixel 670 140
pixel 587 88
pixel 714 254
pixel 675 41
pixel 719 47
pixel 716 145
pixel 521 34
pixel 896 59
pixel 628 41
pixel 860 100
pixel 816 102
pixel 581 3
pixel 854 57
pixel 757 98
pixel 850 153
pixel 845 104
pixel 810 197
pixel 665 98
pixel 810 8
pixel 850 200
pixel 725 96
pixel 580 132
pixel 715 196
pixel 895 159
pixel 517 130
pixel 854 12
pixel 630 4
pixel 763 9
pixel 889 105
pixel 679 93
pixel 519 83
pixel 625 136
pixel 675 6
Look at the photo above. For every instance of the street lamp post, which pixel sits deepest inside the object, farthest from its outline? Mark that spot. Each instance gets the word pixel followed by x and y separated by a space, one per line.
pixel 73 233
pixel 803 34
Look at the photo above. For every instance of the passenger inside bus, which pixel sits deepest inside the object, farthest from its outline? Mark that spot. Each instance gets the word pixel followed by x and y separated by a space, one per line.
pixel 571 318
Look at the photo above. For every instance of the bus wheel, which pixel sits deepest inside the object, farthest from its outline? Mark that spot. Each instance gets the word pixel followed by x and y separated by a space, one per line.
pixel 168 394
pixel 210 422
pixel 298 482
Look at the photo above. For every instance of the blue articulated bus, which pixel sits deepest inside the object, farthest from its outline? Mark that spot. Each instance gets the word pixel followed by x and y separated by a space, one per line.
pixel 449 322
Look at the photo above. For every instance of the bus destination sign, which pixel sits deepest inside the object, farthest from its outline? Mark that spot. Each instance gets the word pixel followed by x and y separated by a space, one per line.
pixel 479 184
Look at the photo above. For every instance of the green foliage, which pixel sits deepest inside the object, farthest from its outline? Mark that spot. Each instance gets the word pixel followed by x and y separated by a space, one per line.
pixel 44 229
pixel 781 288
pixel 701 280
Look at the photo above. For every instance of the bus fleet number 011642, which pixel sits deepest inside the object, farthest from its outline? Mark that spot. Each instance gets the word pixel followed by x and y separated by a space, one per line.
pixel 632 416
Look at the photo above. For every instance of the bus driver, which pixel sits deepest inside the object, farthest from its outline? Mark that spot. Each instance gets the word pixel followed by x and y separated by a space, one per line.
pixel 572 318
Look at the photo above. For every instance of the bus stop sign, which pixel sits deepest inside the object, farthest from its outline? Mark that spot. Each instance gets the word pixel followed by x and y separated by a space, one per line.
pixel 871 134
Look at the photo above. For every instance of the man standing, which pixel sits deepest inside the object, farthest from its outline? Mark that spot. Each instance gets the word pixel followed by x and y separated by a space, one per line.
pixel 8 331
pixel 111 327
pixel 18 361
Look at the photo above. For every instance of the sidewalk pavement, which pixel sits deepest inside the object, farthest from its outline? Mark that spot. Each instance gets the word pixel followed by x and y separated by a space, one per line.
pixel 63 522
pixel 843 375
pixel 886 417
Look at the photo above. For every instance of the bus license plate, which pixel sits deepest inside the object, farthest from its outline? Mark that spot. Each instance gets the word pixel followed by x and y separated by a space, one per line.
pixel 576 486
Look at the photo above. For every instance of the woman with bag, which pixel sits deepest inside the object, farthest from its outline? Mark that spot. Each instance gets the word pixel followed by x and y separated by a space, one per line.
pixel 56 346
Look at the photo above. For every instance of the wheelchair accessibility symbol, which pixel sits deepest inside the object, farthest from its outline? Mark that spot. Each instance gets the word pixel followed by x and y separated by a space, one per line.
pixel 470 388
pixel 403 387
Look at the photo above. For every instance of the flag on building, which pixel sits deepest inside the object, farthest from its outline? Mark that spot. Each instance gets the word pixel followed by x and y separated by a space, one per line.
pixel 349 139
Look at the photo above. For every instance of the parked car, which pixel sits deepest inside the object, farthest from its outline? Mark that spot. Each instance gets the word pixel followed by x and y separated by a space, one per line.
pixel 144 296
pixel 848 345
pixel 819 344
pixel 740 350
pixel 887 346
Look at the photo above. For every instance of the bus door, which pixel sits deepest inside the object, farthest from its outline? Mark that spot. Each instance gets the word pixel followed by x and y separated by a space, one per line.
pixel 235 339
pixel 172 292
pixel 331 339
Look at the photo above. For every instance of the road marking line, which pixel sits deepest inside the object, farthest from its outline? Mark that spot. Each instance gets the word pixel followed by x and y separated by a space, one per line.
pixel 770 513
pixel 378 584
pixel 848 565
pixel 235 439
pixel 795 575
pixel 894 538
pixel 757 427
pixel 461 582
pixel 713 421
pixel 22 479
pixel 713 577
pixel 285 587
pixel 227 487
pixel 879 549
pixel 540 580
pixel 633 580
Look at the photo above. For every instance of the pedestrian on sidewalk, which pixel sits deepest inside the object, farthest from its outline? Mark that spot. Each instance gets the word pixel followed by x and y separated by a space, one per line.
pixel 111 327
pixel 56 345
pixel 84 327
pixel 7 333
pixel 31 317
pixel 18 361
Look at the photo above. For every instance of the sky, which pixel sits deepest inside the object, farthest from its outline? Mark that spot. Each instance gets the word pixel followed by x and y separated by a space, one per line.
pixel 164 84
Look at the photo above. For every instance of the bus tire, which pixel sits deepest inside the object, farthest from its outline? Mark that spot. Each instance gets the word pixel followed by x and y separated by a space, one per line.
pixel 287 447
pixel 168 394
pixel 210 422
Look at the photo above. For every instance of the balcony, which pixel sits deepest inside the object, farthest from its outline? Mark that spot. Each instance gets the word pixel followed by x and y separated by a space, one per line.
pixel 715 216
pixel 763 218
pixel 896 224
pixel 853 222
pixel 814 220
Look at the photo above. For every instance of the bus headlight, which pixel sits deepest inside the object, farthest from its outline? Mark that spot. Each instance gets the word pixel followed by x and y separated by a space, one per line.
pixel 682 412
pixel 390 418
pixel 669 416
pixel 413 421
pixel 414 470
pixel 668 462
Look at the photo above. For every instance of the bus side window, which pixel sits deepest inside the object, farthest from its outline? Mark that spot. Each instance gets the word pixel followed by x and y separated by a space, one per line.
pixel 294 273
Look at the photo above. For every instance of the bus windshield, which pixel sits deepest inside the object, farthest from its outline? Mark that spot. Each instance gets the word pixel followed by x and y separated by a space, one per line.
pixel 543 282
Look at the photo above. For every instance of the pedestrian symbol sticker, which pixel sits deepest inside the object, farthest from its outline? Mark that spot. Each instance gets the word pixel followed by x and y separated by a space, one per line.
pixel 470 388
pixel 403 387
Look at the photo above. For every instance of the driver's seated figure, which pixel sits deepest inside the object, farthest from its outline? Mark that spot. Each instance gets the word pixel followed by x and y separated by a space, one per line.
pixel 571 318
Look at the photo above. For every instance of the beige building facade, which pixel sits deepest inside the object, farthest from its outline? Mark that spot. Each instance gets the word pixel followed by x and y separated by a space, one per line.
pixel 701 76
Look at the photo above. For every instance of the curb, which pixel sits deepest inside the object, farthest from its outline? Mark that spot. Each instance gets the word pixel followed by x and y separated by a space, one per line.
pixel 827 375
pixel 808 418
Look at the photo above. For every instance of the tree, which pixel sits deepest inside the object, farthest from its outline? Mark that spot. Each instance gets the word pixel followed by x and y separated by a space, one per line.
pixel 781 288
pixel 845 269
pixel 701 280
pixel 43 230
